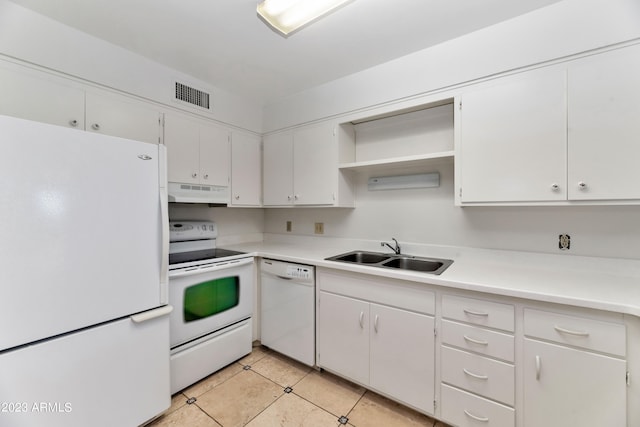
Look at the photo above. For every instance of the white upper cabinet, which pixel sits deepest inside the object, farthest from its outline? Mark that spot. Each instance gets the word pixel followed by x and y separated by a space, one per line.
pixel 37 96
pixel 513 139
pixel 278 169
pixel 301 167
pixel 604 126
pixel 116 115
pixel 556 135
pixel 246 169
pixel 197 152
pixel 315 165
pixel 34 97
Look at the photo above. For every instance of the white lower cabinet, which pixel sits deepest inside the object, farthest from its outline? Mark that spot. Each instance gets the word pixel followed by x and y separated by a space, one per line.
pixel 568 387
pixel 499 361
pixel 343 336
pixel 390 350
pixel 478 374
pixel 571 385
pixel 402 355
pixel 477 367
pixel 464 409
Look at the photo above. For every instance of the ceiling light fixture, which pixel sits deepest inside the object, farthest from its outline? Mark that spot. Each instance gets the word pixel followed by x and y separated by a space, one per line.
pixel 287 16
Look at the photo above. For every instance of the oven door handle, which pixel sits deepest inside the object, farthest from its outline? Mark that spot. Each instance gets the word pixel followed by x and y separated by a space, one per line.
pixel 222 265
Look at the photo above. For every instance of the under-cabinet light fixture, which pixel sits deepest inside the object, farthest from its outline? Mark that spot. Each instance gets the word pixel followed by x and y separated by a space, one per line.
pixel 286 16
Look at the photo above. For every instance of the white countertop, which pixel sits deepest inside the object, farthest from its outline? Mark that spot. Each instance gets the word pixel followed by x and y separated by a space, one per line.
pixel 599 283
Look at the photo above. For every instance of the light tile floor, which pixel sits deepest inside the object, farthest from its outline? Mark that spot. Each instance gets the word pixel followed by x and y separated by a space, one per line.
pixel 266 389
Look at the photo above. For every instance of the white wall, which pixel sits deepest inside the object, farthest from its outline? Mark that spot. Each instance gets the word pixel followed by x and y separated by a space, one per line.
pixel 36 39
pixel 428 216
pixel 552 32
pixel 235 225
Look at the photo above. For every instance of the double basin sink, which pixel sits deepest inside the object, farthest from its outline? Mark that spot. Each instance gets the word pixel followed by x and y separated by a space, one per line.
pixel 398 262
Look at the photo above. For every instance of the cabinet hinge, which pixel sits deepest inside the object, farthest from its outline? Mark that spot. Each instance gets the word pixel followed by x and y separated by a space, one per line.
pixel 628 378
pixel 435 405
pixel 460 106
pixel 435 332
pixel 460 192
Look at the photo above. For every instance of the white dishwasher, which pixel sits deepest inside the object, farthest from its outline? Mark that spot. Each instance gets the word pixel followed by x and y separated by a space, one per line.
pixel 288 309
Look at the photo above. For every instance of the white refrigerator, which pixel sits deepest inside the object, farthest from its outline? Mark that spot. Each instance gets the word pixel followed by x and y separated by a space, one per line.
pixel 84 325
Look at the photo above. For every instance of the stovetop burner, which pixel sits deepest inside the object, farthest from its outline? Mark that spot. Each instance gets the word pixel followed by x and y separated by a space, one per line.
pixel 201 255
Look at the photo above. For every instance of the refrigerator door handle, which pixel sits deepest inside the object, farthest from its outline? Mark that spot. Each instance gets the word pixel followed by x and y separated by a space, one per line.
pixel 152 314
pixel 164 254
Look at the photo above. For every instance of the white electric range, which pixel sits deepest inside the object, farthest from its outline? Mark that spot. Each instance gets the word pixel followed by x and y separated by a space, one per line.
pixel 211 290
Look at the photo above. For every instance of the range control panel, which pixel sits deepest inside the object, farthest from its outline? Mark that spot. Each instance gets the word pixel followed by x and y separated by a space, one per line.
pixel 299 272
pixel 180 231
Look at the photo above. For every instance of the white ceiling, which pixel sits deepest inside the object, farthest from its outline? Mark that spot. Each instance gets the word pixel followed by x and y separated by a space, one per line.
pixel 224 43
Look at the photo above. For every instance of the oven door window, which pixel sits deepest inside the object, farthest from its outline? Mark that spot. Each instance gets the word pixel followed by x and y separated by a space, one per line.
pixel 209 298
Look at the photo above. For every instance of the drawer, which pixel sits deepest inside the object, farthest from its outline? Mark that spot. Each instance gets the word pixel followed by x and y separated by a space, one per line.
pixel 478 340
pixel 478 374
pixel 478 312
pixel 606 337
pixel 464 409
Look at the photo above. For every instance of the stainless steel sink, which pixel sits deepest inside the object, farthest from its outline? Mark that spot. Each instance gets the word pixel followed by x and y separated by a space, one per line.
pixel 397 262
pixel 361 257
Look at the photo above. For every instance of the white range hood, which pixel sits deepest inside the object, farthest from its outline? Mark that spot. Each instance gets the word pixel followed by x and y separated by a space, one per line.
pixel 197 193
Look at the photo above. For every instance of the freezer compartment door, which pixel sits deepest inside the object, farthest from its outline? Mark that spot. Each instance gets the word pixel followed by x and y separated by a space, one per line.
pixel 116 374
pixel 81 229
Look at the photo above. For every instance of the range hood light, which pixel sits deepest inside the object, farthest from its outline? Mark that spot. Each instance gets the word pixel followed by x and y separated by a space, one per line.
pixel 286 16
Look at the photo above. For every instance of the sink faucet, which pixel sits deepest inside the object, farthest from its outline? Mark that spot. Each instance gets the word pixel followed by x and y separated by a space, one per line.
pixel 396 249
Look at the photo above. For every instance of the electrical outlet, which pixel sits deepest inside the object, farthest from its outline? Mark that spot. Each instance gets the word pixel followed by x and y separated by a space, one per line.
pixel 289 226
pixel 564 242
pixel 319 228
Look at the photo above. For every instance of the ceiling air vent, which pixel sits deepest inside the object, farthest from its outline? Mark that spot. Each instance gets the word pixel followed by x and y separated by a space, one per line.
pixel 192 96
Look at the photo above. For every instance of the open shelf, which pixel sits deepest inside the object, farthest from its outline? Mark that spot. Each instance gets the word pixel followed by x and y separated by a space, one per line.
pixel 405 161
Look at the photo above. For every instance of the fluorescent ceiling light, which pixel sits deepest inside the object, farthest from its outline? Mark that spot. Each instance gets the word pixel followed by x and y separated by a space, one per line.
pixel 287 16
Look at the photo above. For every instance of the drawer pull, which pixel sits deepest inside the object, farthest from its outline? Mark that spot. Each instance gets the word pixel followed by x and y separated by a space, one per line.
pixel 475 313
pixel 475 417
pixel 538 367
pixel 476 376
pixel 570 332
pixel 375 323
pixel 361 320
pixel 474 341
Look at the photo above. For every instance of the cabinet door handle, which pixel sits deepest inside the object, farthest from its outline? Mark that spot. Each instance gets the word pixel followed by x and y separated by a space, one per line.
pixel 361 320
pixel 375 323
pixel 538 367
pixel 95 126
pixel 571 332
pixel 475 313
pixel 555 187
pixel 73 123
pixel 476 376
pixel 474 341
pixel 582 185
pixel 237 197
pixel 475 417
pixel 206 176
pixel 194 175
